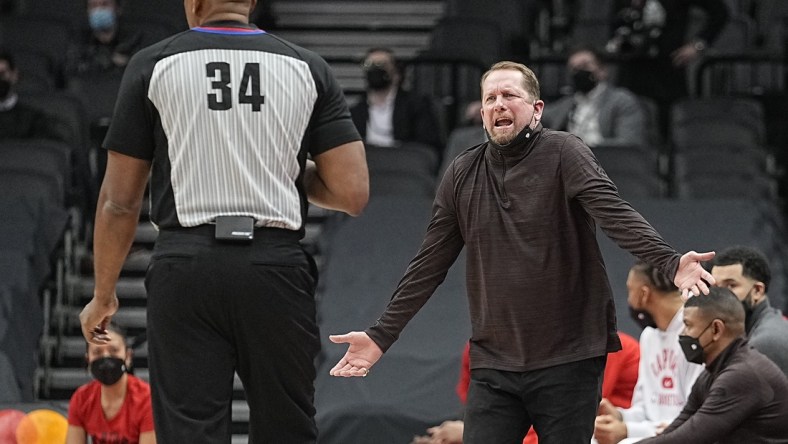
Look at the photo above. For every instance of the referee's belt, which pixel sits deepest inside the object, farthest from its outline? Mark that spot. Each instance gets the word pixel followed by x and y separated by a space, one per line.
pixel 209 230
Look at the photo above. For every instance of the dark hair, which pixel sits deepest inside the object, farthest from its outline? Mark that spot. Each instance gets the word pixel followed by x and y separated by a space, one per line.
pixel 655 277
pixel 117 3
pixel 8 57
pixel 753 263
pixel 721 304
pixel 396 63
pixel 113 327
pixel 598 55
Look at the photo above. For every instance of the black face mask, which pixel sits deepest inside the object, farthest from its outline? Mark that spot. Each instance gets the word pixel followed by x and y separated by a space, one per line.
pixel 5 88
pixel 692 348
pixel 583 80
pixel 642 318
pixel 749 307
pixel 378 78
pixel 108 370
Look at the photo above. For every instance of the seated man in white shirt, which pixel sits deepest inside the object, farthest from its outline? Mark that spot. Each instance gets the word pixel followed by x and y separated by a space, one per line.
pixel 390 116
pixel 665 378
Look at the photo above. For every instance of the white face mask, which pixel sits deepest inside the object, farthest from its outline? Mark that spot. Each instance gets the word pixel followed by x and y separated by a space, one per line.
pixel 101 19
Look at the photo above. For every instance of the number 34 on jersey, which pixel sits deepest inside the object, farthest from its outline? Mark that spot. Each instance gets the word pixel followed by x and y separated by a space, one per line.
pixel 222 88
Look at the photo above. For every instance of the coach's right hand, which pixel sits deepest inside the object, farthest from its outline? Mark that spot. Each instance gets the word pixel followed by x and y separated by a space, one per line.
pixel 362 354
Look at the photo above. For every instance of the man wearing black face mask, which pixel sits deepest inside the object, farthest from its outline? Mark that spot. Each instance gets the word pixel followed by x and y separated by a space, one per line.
pixel 391 116
pixel 665 378
pixel 17 120
pixel 597 112
pixel 116 407
pixel 745 271
pixel 741 396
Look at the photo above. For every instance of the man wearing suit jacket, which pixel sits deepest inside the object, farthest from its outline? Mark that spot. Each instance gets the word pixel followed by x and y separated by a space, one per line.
pixel 391 116
pixel 597 112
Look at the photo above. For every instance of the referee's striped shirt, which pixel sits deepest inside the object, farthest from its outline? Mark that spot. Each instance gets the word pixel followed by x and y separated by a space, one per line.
pixel 228 113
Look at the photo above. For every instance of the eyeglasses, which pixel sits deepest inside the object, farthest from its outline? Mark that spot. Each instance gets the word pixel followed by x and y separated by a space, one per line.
pixel 368 64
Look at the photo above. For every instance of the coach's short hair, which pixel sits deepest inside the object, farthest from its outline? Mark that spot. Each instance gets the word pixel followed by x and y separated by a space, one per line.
pixel 530 82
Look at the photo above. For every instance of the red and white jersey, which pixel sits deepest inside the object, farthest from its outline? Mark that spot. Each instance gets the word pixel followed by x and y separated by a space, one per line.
pixel 665 380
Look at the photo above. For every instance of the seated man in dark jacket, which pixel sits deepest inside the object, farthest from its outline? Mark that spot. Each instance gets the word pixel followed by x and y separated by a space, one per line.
pixel 391 116
pixel 741 396
pixel 17 119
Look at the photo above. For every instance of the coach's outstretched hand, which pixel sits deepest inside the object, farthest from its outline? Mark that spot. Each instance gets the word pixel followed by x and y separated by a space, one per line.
pixel 362 354
pixel 691 277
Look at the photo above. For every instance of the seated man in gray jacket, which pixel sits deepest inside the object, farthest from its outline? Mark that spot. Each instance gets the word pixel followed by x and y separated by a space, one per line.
pixel 745 271
pixel 597 112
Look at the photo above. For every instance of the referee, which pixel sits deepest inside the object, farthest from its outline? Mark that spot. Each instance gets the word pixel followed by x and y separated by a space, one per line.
pixel 223 117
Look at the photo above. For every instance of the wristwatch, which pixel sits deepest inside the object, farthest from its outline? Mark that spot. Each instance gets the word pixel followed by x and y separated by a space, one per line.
pixel 699 45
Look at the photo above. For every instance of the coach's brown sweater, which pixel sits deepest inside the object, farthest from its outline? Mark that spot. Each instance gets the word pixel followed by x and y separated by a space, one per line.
pixel 537 287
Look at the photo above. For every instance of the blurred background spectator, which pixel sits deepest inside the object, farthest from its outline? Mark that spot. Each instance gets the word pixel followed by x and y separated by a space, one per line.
pixel 17 119
pixel 108 43
pixel 391 116
pixel 596 111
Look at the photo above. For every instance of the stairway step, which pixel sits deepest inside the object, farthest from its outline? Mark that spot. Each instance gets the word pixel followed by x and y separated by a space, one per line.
pixel 353 45
pixel 146 233
pixel 72 349
pixel 137 261
pixel 240 411
pixel 350 78
pixel 133 319
pixel 127 288
pixel 69 378
pixel 358 15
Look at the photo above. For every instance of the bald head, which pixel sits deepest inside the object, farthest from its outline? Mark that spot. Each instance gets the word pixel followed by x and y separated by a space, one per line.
pixel 199 12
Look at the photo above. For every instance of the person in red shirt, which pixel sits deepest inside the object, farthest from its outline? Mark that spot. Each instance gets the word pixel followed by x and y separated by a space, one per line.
pixel 115 408
pixel 621 374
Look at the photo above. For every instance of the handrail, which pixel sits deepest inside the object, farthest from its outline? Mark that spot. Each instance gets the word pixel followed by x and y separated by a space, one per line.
pixel 710 61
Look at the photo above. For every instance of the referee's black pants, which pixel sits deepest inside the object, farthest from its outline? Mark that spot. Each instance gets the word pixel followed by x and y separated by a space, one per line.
pixel 216 308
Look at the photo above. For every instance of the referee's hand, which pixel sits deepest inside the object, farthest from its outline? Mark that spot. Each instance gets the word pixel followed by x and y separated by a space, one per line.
pixel 95 317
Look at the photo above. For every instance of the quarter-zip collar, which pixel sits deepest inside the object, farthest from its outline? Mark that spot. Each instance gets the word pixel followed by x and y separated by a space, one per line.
pixel 722 360
pixel 514 151
pixel 506 156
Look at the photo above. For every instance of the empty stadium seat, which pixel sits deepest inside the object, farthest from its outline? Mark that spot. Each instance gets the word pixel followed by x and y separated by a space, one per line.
pixel 717 120
pixel 481 39
pixel 49 36
pixel 451 81
pixel 410 157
